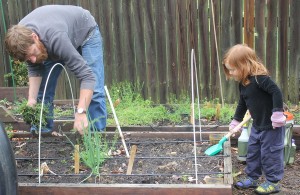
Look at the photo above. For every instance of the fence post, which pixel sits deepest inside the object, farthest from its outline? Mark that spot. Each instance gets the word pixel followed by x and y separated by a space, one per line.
pixel 249 22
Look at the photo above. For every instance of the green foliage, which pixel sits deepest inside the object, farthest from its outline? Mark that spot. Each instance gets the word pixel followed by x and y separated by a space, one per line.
pixel 297 117
pixel 227 113
pixel 19 74
pixel 178 108
pixel 4 102
pixel 208 113
pixel 9 130
pixel 129 94
pixel 60 112
pixel 31 115
pixel 133 109
pixel 95 148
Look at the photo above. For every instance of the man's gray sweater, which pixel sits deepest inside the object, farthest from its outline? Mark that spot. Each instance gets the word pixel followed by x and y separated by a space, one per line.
pixel 63 29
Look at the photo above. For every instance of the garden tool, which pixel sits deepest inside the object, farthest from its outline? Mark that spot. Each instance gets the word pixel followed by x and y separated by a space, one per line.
pixel 215 149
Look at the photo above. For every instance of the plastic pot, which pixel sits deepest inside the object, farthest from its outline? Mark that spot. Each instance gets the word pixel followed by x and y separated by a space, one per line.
pixel 8 171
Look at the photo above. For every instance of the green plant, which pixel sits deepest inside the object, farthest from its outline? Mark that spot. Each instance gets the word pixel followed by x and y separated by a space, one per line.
pixel 31 115
pixel 95 148
pixel 9 130
pixel 19 73
pixel 227 112
pixel 60 112
pixel 64 161
pixel 4 102
pixel 178 108
pixel 133 109
pixel 184 178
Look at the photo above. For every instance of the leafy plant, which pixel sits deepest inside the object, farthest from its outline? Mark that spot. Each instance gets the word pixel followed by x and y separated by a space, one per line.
pixel 60 112
pixel 9 130
pixel 133 109
pixel 19 74
pixel 227 112
pixel 95 148
pixel 31 115
pixel 4 102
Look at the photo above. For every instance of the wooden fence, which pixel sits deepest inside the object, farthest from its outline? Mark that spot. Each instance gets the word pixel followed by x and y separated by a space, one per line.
pixel 150 42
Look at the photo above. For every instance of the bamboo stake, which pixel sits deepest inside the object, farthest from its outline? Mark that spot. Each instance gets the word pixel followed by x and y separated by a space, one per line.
pixel 116 120
pixel 192 118
pixel 76 159
pixel 131 159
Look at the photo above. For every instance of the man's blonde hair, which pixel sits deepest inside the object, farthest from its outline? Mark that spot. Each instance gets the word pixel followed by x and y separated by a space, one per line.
pixel 245 60
pixel 17 41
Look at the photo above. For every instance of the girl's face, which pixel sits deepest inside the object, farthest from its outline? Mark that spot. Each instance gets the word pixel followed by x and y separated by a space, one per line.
pixel 233 72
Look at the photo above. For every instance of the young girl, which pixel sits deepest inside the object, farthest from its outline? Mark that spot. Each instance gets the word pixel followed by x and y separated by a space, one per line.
pixel 262 97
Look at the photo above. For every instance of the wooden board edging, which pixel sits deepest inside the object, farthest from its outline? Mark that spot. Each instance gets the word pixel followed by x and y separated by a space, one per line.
pixel 125 189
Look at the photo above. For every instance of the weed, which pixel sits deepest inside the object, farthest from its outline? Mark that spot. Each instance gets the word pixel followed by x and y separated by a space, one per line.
pixel 60 112
pixel 9 130
pixel 31 115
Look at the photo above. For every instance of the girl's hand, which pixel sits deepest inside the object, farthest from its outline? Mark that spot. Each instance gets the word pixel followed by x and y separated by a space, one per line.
pixel 278 119
pixel 232 125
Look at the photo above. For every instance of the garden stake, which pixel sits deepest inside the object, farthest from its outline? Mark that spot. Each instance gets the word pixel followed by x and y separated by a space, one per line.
pixel 131 159
pixel 116 119
pixel 215 149
pixel 76 159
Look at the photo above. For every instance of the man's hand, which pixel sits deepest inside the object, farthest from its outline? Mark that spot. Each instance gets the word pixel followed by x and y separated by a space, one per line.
pixel 31 102
pixel 81 122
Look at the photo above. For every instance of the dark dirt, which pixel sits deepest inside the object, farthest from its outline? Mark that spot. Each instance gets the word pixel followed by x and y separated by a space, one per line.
pixel 157 161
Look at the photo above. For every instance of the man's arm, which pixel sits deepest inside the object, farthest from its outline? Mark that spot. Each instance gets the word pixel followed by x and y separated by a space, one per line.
pixel 81 120
pixel 34 86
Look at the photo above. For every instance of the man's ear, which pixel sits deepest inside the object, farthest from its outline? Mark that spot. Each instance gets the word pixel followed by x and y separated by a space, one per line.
pixel 35 37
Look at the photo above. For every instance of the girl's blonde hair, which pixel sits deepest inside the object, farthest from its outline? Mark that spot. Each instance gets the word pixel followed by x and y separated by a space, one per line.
pixel 245 60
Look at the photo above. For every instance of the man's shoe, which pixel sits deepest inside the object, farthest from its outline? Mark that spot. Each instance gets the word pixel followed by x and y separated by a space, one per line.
pixel 35 131
pixel 268 188
pixel 245 183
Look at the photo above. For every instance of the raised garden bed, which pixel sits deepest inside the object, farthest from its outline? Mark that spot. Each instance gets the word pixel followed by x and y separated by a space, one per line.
pixel 163 164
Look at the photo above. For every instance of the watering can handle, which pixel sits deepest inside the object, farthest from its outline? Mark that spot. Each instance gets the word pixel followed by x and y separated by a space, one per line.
pixel 236 128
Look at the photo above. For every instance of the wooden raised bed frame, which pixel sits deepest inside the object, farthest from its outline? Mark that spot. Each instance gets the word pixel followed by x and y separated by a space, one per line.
pixel 224 188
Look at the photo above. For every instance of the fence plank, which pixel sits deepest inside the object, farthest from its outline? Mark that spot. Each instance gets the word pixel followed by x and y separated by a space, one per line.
pixel 171 47
pixel 260 35
pixel 204 51
pixel 214 80
pixel 294 62
pixel 283 47
pixel 271 55
pixel 249 23
pixel 228 88
pixel 136 20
